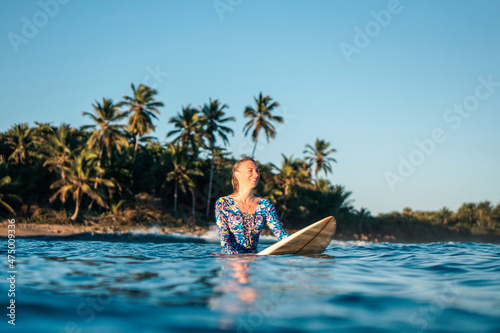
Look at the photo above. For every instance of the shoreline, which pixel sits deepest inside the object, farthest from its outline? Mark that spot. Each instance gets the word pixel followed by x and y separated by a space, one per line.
pixel 44 229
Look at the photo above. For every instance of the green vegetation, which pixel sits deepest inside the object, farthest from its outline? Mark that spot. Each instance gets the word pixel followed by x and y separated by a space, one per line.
pixel 109 172
pixel 261 119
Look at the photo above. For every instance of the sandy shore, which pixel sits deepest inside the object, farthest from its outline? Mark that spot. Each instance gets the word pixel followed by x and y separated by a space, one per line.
pixel 24 229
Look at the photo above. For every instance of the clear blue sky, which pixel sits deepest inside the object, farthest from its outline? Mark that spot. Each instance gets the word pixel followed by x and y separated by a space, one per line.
pixel 369 87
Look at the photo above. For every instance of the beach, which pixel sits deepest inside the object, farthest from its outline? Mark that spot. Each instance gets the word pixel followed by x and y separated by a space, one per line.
pixel 45 229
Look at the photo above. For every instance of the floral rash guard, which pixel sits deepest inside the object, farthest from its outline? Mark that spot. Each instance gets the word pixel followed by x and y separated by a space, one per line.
pixel 239 232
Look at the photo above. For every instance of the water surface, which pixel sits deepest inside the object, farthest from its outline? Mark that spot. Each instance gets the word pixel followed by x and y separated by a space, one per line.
pixel 153 283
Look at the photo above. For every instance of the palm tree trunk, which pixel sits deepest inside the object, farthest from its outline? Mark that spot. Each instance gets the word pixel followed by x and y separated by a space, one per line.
pixel 136 146
pixel 175 195
pixel 100 155
pixel 210 185
pixel 92 201
pixel 282 216
pixel 77 209
pixel 284 203
pixel 98 165
pixel 254 146
pixel 193 196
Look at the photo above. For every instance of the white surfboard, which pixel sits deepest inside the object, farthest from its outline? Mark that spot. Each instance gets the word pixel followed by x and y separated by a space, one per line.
pixel 311 240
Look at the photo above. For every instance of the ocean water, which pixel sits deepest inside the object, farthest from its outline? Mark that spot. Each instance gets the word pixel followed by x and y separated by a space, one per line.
pixel 146 282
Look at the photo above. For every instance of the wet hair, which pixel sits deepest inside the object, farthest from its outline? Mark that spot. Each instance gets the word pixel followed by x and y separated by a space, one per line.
pixel 234 180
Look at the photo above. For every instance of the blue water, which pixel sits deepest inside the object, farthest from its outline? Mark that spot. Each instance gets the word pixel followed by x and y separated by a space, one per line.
pixel 152 283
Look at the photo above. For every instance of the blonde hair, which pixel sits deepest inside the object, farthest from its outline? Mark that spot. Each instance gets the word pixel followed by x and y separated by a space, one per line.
pixel 234 180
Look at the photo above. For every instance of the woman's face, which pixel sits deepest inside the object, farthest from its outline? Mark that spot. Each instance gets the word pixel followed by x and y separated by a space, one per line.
pixel 248 175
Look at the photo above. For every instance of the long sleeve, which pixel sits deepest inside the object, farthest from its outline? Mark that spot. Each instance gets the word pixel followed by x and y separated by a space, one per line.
pixel 224 233
pixel 273 222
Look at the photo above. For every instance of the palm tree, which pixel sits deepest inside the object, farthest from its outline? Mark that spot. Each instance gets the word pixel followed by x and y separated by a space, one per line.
pixel 291 174
pixel 7 198
pixel 444 215
pixel 407 211
pixel 323 185
pixel 79 181
pixel 269 184
pixel 212 120
pixel 495 218
pixel 318 155
pixel 484 210
pixel 107 135
pixel 363 213
pixel 182 172
pixel 339 200
pixel 467 213
pixel 142 109
pixel 189 129
pixel 119 174
pixel 221 157
pixel 20 139
pixel 43 130
pixel 261 118
pixel 59 147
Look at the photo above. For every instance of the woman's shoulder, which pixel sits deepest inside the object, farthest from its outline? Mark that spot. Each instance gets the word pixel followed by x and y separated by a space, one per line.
pixel 225 201
pixel 224 205
pixel 265 202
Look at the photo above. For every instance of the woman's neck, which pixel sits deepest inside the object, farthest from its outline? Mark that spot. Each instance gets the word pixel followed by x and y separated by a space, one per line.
pixel 244 194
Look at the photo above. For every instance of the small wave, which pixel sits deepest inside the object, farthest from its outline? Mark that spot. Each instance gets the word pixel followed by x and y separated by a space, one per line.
pixel 128 237
pixel 150 230
pixel 156 235
pixel 212 236
pixel 350 243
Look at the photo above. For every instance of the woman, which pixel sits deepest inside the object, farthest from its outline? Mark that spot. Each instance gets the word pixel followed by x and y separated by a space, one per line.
pixel 241 216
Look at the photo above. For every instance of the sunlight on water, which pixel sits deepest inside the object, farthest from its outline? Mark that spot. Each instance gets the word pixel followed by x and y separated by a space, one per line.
pixel 149 282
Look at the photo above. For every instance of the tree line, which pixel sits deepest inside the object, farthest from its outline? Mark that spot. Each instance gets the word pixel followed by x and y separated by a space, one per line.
pixel 101 167
pixel 104 164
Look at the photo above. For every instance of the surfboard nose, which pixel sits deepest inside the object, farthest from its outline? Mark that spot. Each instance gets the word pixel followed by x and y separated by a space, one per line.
pixel 311 240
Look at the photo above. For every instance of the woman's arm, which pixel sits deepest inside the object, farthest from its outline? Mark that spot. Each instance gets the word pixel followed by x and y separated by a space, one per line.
pixel 273 223
pixel 221 220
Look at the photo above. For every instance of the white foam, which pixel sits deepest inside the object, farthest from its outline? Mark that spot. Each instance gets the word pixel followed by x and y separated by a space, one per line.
pixel 212 236
pixel 150 230
pixel 157 231
pixel 351 242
